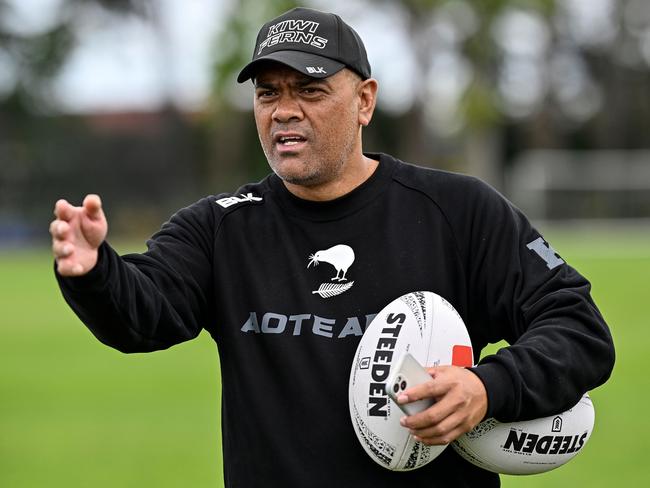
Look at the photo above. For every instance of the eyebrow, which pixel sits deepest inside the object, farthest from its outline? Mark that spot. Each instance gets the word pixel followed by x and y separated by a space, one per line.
pixel 262 84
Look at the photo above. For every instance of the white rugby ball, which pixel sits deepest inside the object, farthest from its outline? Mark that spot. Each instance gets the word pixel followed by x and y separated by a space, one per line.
pixel 528 447
pixel 425 325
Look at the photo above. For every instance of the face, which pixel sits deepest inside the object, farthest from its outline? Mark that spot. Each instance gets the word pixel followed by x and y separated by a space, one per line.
pixel 309 128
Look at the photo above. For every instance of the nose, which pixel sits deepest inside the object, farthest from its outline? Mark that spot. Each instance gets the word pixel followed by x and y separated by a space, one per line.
pixel 287 109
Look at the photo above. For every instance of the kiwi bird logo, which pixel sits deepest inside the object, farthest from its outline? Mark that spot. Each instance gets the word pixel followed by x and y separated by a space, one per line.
pixel 341 257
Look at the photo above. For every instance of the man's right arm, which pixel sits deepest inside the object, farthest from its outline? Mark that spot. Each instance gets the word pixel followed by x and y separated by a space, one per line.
pixel 139 302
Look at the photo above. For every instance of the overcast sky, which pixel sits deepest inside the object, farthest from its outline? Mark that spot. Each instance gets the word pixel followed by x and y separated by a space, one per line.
pixel 122 63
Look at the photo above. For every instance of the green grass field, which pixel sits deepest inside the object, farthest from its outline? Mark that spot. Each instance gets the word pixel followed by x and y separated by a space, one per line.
pixel 74 413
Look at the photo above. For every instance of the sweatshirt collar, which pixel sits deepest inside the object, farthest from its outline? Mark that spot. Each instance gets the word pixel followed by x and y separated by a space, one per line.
pixel 341 206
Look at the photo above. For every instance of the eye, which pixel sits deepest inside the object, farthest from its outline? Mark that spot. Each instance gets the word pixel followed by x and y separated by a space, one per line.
pixel 264 93
pixel 311 91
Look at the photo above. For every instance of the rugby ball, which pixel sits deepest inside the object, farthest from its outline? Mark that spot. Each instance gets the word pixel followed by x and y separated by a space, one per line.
pixel 528 447
pixel 429 328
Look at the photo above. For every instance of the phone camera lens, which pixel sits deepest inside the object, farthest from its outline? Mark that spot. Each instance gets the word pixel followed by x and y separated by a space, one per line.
pixel 403 385
pixel 395 387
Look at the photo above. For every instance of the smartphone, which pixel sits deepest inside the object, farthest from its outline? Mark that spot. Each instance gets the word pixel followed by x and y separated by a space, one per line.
pixel 406 373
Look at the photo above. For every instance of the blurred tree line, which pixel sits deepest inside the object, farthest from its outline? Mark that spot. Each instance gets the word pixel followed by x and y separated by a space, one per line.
pixel 486 82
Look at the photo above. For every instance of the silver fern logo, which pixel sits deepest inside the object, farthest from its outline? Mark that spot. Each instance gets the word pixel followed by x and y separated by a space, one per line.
pixel 341 258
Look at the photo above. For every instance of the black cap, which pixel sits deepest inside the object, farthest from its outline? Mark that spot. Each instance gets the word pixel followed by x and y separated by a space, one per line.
pixel 315 43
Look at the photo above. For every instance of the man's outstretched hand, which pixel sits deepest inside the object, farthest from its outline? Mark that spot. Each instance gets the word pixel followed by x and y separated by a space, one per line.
pixel 77 233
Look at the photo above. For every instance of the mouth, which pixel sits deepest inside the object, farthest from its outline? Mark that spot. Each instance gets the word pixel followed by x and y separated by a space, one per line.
pixel 286 141
pixel 290 141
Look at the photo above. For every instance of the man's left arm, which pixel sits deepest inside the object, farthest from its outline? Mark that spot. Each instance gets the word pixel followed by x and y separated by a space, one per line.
pixel 522 291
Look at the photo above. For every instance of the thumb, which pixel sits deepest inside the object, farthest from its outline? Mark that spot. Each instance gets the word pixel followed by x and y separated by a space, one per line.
pixel 94 226
pixel 93 206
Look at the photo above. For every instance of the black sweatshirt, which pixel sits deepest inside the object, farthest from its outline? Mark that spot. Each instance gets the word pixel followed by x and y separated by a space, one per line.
pixel 287 286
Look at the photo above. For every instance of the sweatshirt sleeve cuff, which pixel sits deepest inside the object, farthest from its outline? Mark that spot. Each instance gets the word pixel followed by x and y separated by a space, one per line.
pixel 499 388
pixel 94 280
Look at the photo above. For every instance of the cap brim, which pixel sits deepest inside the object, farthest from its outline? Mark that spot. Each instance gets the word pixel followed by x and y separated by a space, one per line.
pixel 307 63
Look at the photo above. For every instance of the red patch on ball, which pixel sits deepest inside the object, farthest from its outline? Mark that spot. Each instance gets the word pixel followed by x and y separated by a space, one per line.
pixel 462 356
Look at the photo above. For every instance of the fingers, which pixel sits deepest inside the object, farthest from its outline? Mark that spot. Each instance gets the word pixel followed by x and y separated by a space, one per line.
pixel 435 415
pixel 444 432
pixel 64 250
pixel 59 229
pixel 66 267
pixel 430 389
pixel 61 233
pixel 88 222
pixel 440 424
pixel 461 403
pixel 92 204
pixel 63 210
pixel 67 263
pixel 62 247
pixel 77 233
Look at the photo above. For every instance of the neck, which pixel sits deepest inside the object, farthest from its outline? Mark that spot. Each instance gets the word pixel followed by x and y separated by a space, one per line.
pixel 353 175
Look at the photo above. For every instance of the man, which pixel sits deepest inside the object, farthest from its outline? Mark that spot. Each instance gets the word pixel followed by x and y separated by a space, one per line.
pixel 240 266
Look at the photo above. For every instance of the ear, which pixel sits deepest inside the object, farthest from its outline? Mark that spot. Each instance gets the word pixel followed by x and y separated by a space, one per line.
pixel 367 92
